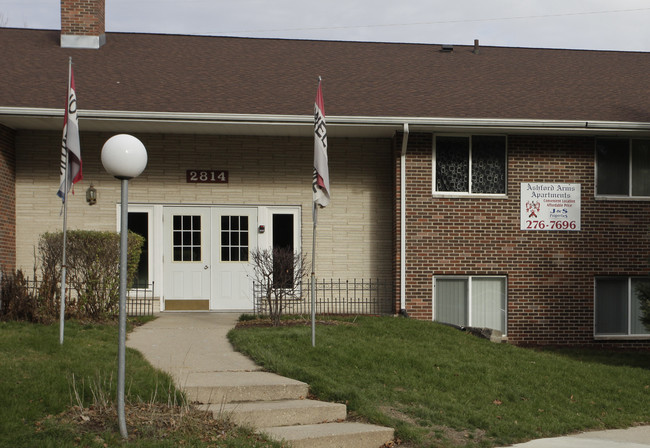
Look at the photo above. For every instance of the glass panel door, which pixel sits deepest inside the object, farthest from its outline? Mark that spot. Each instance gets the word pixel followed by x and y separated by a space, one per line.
pixel 139 223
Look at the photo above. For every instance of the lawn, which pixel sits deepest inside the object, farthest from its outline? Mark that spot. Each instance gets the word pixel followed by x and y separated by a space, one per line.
pixel 439 386
pixel 63 396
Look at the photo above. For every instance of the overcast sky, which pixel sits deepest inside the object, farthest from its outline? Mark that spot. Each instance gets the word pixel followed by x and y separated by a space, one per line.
pixel 576 24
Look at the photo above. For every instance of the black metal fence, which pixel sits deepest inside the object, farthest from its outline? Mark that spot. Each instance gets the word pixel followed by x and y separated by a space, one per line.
pixel 139 301
pixel 333 296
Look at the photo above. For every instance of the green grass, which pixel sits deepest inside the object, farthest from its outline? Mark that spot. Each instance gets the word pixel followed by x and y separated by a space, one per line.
pixel 41 378
pixel 441 387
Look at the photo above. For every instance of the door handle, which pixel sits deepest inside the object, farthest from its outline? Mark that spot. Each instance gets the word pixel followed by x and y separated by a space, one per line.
pixel 206 267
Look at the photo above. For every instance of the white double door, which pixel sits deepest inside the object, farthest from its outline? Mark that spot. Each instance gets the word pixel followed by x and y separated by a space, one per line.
pixel 207 253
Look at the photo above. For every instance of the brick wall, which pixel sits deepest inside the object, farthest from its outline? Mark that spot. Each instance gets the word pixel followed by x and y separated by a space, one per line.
pixel 7 199
pixel 550 274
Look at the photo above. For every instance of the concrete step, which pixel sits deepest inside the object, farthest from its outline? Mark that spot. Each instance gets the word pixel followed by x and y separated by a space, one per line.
pixel 228 387
pixel 261 414
pixel 332 435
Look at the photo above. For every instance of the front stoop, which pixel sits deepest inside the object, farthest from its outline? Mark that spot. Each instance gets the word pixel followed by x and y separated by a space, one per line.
pixel 276 406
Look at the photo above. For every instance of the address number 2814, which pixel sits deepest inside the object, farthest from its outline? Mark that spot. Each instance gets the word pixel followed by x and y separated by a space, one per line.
pixel 207 176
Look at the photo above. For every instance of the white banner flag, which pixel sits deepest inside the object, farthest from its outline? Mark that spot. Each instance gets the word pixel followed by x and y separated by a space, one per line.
pixel 321 179
pixel 70 147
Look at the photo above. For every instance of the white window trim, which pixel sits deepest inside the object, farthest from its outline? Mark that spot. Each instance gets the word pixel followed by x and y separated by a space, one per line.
pixel 154 224
pixel 629 335
pixel 469 279
pixel 265 217
pixel 617 197
pixel 466 194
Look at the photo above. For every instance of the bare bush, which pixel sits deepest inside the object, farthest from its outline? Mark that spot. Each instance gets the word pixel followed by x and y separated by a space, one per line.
pixel 279 274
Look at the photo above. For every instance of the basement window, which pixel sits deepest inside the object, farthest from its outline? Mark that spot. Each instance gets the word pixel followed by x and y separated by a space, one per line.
pixel 470 301
pixel 469 164
pixel 617 307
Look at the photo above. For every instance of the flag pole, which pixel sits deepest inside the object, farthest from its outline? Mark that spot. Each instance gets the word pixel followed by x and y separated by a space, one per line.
pixel 313 275
pixel 321 193
pixel 65 219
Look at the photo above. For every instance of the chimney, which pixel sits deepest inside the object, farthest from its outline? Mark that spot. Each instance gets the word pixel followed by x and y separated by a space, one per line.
pixel 476 47
pixel 82 23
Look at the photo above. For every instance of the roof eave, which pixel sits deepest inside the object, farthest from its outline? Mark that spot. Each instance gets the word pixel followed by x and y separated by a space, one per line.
pixel 301 125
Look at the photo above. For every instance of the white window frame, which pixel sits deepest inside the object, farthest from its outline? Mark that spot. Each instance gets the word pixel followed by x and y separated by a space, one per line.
pixel 629 334
pixel 154 260
pixel 469 193
pixel 266 213
pixel 266 218
pixel 629 195
pixel 469 279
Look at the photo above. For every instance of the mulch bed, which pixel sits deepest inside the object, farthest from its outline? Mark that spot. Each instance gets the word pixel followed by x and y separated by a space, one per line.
pixel 143 420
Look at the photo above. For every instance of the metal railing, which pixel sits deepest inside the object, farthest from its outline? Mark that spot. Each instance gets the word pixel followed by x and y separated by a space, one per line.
pixel 139 301
pixel 333 296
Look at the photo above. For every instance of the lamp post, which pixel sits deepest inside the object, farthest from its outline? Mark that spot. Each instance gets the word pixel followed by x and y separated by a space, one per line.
pixel 125 157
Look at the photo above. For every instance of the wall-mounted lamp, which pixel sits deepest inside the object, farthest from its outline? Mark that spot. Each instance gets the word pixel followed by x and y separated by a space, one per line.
pixel 91 195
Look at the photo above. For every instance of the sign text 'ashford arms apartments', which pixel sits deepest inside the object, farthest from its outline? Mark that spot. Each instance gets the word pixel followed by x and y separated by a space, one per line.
pixel 546 206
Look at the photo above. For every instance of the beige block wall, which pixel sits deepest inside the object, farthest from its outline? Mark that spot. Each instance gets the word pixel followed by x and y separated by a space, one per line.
pixel 354 237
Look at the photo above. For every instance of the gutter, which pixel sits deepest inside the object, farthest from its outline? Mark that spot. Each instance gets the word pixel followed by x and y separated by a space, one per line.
pixel 417 124
pixel 402 227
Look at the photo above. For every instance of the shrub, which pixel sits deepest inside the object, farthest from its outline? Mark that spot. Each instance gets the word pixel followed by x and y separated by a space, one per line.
pixel 16 303
pixel 92 260
pixel 24 300
pixel 278 274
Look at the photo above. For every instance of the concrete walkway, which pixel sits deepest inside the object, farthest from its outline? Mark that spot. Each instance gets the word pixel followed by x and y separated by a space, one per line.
pixel 190 344
pixel 638 437
pixel 194 349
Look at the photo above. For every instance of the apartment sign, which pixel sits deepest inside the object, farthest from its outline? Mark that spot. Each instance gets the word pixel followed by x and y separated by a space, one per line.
pixel 546 206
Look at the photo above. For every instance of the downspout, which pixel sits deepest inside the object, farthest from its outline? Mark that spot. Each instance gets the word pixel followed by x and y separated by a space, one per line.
pixel 402 227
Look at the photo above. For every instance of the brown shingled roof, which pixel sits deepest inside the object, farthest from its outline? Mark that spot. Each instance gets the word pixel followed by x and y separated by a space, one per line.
pixel 172 73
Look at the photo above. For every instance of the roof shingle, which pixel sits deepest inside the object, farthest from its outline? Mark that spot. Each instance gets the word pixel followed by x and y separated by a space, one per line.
pixel 174 73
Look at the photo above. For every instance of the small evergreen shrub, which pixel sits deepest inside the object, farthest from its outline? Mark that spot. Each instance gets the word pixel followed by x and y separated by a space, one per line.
pixel 92 260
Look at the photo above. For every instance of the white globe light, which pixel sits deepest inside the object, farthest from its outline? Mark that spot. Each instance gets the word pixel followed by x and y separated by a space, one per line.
pixel 124 156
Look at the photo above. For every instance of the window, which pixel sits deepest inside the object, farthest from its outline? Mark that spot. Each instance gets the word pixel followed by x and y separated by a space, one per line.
pixel 234 238
pixel 622 167
pixel 617 307
pixel 187 238
pixel 471 301
pixel 475 164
